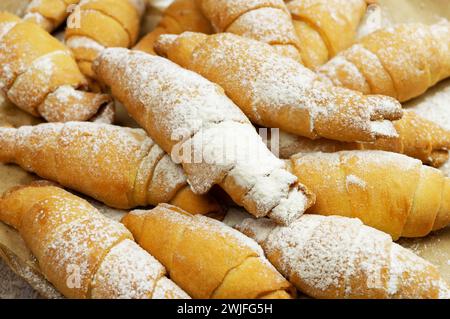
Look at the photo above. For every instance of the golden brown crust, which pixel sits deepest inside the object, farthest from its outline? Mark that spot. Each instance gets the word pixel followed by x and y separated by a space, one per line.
pixel 75 245
pixel 180 16
pixel 263 20
pixel 339 257
pixel 417 137
pixel 402 61
pixel 388 191
pixel 277 92
pixel 205 257
pixel 98 25
pixel 119 166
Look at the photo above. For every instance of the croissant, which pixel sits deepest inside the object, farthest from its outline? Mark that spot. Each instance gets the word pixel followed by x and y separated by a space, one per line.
pixel 325 27
pixel 119 166
pixel 40 76
pixel 104 23
pixel 401 61
pixel 263 20
pixel 275 91
pixel 339 257
pixel 49 14
pixel 194 121
pixel 205 257
pixel 388 191
pixel 180 16
pixel 417 137
pixel 81 252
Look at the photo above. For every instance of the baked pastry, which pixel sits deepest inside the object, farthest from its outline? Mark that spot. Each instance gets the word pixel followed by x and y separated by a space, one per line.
pixel 81 252
pixel 268 21
pixel 16 255
pixel 102 24
pixel 121 167
pixel 388 191
pixel 275 91
pixel 180 16
pixel 339 257
pixel 402 61
pixel 325 27
pixel 49 14
pixel 39 75
pixel 194 121
pixel 205 257
pixel 417 137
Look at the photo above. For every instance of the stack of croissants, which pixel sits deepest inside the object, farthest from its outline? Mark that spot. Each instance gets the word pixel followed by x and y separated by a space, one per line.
pixel 231 218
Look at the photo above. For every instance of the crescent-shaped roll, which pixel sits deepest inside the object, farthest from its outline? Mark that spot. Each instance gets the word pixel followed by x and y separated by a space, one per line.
pixel 417 137
pixel 205 257
pixel 81 252
pixel 267 21
pixel 338 257
pixel 180 16
pixel 39 74
pixel 402 61
pixel 275 91
pixel 388 191
pixel 193 120
pixel 325 27
pixel 119 166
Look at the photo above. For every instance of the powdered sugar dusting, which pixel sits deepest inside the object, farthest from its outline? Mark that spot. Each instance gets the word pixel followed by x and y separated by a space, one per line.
pixel 435 106
pixel 222 13
pixel 127 272
pixel 29 94
pixel 355 180
pixel 208 226
pixel 190 111
pixel 101 152
pixel 167 289
pixel 5 27
pixel 339 257
pixel 276 29
pixel 401 61
pixel 277 85
pixel 76 42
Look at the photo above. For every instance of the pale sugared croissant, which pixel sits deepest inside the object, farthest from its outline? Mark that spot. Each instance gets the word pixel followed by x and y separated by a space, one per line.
pixel 339 257
pixel 39 75
pixel 119 166
pixel 180 16
pixel 81 252
pixel 193 119
pixel 49 14
pixel 402 61
pixel 325 27
pixel 417 137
